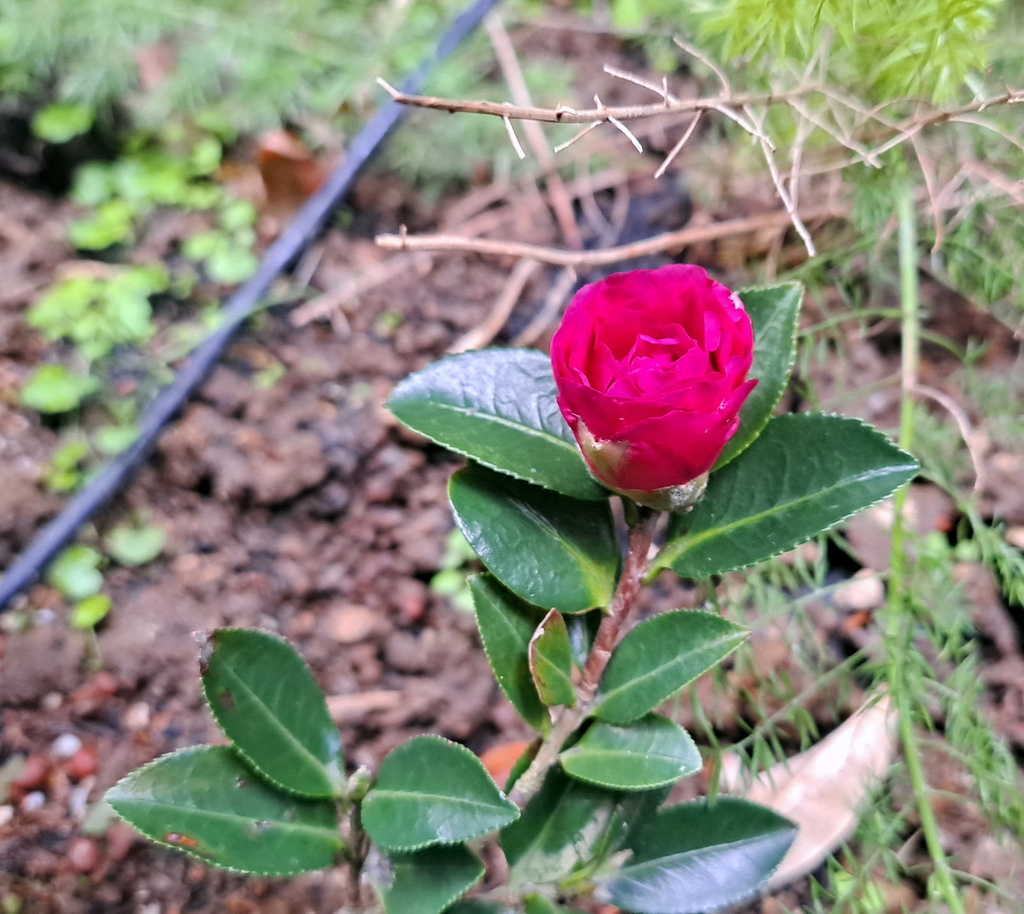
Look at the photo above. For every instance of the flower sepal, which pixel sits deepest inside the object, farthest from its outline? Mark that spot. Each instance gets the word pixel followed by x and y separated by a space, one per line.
pixel 676 499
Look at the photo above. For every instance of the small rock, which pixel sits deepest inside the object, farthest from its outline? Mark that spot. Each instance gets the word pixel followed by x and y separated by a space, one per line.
pixel 83 856
pixel 65 745
pixel 136 718
pixel 33 801
pixel 1015 537
pixel 351 623
pixel 83 763
pixel 862 592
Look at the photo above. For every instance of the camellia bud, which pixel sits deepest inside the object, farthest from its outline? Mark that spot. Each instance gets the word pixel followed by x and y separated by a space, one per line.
pixel 651 368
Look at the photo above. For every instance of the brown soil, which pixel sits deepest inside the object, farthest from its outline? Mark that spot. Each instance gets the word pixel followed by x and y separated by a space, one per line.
pixel 299 508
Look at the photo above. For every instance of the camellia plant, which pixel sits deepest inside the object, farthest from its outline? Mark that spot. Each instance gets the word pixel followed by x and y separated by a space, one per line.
pixel 659 392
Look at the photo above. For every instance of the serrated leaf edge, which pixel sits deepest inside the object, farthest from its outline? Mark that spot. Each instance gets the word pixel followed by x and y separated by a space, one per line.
pixel 738 634
pixel 499 678
pixel 799 287
pixel 458 895
pixel 575 751
pixel 660 563
pixel 437 842
pixel 591 571
pixel 336 788
pixel 601 890
pixel 598 491
pixel 206 860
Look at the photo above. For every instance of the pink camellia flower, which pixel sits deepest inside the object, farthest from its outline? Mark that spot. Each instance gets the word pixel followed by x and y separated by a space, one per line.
pixel 651 368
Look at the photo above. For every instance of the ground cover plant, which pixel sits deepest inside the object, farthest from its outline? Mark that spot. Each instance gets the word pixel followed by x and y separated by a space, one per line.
pixel 286 500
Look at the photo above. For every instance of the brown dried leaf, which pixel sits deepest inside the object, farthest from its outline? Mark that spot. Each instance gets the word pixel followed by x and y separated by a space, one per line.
pixel 822 788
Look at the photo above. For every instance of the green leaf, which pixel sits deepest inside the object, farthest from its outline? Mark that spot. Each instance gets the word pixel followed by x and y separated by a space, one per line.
pixel 433 791
pixel 554 551
pixel 569 827
pixel 541 904
pixel 206 802
pixel 231 264
pixel 506 625
pixel 498 407
pixel 804 474
pixel 660 656
pixel 427 881
pixel 59 123
pixel 479 906
pixel 551 661
pixel 129 545
pixel 582 632
pixel 699 857
pixel 110 224
pixel 88 613
pixel 773 311
pixel 111 440
pixel 54 389
pixel 651 752
pixel 267 702
pixel 75 572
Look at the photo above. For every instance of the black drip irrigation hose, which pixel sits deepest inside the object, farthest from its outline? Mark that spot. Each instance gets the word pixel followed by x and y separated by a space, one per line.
pixel 306 226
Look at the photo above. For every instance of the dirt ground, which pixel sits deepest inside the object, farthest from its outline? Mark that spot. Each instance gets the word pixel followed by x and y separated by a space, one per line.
pixel 300 508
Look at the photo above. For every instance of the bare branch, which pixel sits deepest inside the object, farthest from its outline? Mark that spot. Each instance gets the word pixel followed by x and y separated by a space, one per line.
pixel 670 241
pixel 678 146
pixel 780 187
pixel 566 115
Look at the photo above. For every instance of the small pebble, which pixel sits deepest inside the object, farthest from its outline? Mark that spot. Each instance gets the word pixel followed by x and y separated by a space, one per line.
pixel 78 800
pixel 33 801
pixel 83 855
pixel 6 814
pixel 863 591
pixel 351 623
pixel 65 745
pixel 83 763
pixel 136 718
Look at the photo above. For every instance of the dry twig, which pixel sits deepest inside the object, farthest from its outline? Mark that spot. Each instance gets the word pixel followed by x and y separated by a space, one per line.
pixel 669 241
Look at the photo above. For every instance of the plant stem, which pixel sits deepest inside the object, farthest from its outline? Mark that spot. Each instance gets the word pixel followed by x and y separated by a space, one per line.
pixel 641 535
pixel 898 622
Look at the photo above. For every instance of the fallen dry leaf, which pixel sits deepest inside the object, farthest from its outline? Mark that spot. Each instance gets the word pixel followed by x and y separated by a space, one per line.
pixel 821 789
pixel 290 173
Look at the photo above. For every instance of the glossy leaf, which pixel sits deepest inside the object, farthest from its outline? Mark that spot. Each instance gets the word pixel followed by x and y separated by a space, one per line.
pixel 660 656
pixel 551 661
pixel 427 881
pixel 568 826
pixel 267 702
pixel 805 473
pixel 773 311
pixel 699 857
pixel 506 625
pixel 207 802
pixel 433 791
pixel 582 632
pixel 498 407
pixel 554 551
pixel 651 752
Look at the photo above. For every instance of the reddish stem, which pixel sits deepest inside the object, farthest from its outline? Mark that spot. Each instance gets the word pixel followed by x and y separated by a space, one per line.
pixel 641 535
